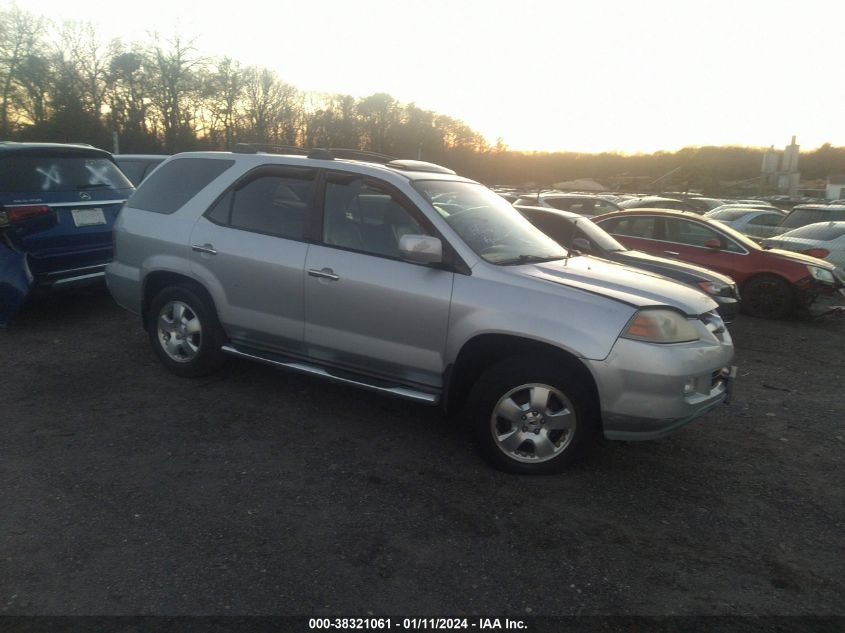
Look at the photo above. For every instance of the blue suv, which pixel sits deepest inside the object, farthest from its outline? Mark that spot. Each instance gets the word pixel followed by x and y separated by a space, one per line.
pixel 58 204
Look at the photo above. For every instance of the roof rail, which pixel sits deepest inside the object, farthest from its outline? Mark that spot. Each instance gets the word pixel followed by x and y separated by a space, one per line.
pixel 360 154
pixel 254 148
pixel 330 153
pixel 419 165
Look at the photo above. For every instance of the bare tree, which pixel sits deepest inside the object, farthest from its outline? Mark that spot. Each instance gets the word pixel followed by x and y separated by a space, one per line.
pixel 172 84
pixel 272 108
pixel 21 35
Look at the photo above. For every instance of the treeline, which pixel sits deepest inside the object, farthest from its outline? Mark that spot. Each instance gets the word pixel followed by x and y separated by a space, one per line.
pixel 62 83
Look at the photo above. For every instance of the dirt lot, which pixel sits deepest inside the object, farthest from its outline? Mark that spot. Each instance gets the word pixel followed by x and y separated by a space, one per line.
pixel 124 490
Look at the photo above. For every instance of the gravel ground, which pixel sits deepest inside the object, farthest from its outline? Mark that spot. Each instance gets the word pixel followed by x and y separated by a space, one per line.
pixel 125 490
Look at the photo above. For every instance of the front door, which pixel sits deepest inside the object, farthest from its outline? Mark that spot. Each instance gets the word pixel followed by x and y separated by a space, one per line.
pixel 365 308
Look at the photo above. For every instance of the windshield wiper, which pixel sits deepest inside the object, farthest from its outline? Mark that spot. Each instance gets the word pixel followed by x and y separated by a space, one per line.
pixel 530 259
pixel 98 185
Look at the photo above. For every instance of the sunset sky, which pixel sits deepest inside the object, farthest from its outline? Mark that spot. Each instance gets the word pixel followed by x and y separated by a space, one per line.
pixel 632 76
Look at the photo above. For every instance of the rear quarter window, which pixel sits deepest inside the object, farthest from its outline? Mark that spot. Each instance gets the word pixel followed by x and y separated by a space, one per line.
pixel 174 183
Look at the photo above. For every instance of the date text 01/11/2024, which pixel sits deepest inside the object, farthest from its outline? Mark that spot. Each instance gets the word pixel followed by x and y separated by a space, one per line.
pixel 432 624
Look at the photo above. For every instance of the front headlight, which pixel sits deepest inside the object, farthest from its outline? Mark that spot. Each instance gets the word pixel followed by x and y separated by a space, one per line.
pixel 660 326
pixel 716 288
pixel 820 274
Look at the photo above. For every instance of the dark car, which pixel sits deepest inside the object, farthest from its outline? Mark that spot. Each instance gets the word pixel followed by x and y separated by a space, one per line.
pixel 773 282
pixel 136 167
pixel 582 204
pixel 576 232
pixel 58 204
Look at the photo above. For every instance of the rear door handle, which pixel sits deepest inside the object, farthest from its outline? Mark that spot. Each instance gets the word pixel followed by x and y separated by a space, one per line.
pixel 325 273
pixel 204 248
pixel 671 253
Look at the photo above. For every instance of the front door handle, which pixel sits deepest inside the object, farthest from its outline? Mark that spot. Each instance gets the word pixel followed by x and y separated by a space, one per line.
pixel 325 273
pixel 204 248
pixel 671 253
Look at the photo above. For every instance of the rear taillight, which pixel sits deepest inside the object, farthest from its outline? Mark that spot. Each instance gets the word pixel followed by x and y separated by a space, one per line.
pixel 12 215
pixel 821 253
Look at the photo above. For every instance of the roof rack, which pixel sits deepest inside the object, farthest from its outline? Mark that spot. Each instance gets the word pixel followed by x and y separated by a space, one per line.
pixel 330 153
pixel 254 148
pixel 360 154
pixel 419 165
pixel 323 153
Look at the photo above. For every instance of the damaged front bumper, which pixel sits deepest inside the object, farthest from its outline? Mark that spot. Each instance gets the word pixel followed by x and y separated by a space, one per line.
pixel 16 281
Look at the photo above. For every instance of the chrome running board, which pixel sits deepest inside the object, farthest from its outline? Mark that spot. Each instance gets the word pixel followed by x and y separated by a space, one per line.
pixel 358 381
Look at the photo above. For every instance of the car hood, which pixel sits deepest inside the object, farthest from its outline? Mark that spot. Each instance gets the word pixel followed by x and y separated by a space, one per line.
pixel 800 257
pixel 634 258
pixel 621 283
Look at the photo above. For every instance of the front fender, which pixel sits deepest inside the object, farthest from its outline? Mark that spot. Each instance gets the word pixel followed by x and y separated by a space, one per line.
pixel 15 283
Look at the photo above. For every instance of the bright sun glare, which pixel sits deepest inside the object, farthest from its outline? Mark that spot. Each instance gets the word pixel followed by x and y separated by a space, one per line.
pixel 599 76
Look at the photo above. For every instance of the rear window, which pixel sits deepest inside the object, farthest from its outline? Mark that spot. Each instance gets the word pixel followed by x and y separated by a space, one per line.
pixel 174 183
pixel 825 231
pixel 728 215
pixel 802 217
pixel 26 173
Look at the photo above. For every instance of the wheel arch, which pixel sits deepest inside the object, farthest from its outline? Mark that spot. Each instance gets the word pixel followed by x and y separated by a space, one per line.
pixel 485 350
pixel 156 281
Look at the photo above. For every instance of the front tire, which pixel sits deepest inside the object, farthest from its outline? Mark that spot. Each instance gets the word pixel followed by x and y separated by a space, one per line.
pixel 767 297
pixel 532 416
pixel 184 331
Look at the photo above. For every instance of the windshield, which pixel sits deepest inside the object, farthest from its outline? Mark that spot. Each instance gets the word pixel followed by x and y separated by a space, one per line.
pixel 597 235
pixel 31 174
pixel 488 224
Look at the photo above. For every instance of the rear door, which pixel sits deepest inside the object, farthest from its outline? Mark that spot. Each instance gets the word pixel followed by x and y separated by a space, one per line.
pixel 638 232
pixel 367 309
pixel 249 250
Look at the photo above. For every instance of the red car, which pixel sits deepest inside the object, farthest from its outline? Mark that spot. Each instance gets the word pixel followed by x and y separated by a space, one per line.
pixel 772 282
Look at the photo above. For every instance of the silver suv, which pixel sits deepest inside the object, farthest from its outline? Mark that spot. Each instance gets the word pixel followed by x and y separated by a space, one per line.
pixel 406 279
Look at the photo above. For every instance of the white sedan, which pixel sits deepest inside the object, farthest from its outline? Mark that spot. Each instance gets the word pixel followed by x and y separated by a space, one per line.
pixel 825 240
pixel 753 222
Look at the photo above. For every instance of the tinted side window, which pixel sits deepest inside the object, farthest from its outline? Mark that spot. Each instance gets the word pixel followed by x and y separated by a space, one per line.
pixel 271 204
pixel 563 204
pixel 132 169
pixel 360 216
pixel 638 226
pixel 171 186
pixel 691 233
pixel 801 217
pixel 766 219
pixel 558 229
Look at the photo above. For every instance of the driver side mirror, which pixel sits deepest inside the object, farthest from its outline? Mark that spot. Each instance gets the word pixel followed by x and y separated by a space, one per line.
pixel 421 249
pixel 713 243
pixel 582 244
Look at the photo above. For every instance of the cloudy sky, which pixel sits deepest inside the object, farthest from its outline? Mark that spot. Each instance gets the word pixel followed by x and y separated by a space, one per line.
pixel 591 75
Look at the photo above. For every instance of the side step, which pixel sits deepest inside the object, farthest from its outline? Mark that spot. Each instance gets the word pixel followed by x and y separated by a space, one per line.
pixel 363 382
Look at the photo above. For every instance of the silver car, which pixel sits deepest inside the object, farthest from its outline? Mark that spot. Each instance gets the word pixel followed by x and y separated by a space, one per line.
pixel 407 279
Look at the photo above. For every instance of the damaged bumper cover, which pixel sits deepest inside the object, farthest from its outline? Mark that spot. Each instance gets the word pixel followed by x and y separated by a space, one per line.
pixel 16 281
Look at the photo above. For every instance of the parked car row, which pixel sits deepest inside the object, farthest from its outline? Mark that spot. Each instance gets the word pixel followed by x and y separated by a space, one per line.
pixel 402 277
pixel 772 282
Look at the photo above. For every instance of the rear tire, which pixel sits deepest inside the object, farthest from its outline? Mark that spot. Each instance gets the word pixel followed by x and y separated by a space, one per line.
pixel 767 297
pixel 533 416
pixel 184 331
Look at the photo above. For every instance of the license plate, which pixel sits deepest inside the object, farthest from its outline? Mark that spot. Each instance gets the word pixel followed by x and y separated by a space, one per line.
pixel 88 217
